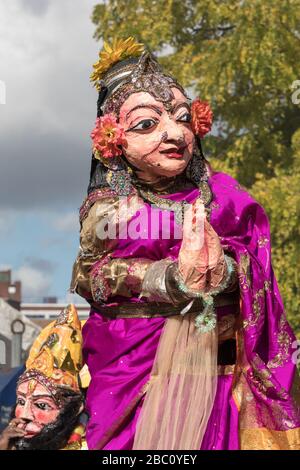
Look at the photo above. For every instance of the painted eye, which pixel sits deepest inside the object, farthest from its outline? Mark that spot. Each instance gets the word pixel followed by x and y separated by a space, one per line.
pixel 144 125
pixel 186 117
pixel 20 402
pixel 43 406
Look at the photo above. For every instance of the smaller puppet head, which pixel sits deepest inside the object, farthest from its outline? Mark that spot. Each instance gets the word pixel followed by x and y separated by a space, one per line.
pixel 36 406
pixel 49 399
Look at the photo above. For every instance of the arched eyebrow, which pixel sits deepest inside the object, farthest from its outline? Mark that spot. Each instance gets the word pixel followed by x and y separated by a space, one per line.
pixel 178 105
pixel 151 106
pixel 42 395
pixel 158 110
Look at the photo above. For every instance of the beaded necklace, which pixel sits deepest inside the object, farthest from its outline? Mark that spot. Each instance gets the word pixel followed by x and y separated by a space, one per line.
pixel 178 207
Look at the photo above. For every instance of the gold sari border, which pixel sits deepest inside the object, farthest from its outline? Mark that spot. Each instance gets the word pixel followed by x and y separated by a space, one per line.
pixel 269 439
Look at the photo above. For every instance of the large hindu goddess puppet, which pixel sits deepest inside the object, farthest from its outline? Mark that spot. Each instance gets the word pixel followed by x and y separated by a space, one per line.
pixel 187 342
pixel 48 414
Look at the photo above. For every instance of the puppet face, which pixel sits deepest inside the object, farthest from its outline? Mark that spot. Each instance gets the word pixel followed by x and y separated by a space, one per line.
pixel 35 406
pixel 159 142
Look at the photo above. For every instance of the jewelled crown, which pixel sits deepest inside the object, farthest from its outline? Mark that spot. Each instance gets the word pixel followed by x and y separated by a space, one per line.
pixel 55 358
pixel 127 67
pixel 119 50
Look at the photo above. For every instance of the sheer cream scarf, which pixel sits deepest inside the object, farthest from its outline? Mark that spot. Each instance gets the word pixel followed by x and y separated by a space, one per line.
pixel 181 390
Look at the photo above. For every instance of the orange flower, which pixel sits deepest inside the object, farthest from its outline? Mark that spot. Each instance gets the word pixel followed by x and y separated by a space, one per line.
pixel 202 117
pixel 107 137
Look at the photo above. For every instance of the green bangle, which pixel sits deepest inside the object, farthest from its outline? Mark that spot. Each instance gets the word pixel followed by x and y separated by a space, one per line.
pixel 207 319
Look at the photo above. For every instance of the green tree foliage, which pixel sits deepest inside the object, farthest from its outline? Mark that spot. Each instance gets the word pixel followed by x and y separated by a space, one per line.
pixel 243 57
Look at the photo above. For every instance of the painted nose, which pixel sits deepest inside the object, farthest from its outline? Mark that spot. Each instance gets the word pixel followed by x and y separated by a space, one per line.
pixel 26 412
pixel 174 132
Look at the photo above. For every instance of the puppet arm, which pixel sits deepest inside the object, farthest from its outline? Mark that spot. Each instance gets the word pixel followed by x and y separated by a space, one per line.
pixel 97 276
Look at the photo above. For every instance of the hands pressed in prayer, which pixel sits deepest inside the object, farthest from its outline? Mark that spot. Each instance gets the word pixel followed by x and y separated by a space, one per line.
pixel 201 259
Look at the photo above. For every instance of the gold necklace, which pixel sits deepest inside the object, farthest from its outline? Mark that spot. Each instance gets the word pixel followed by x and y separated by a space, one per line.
pixel 178 207
pixel 166 204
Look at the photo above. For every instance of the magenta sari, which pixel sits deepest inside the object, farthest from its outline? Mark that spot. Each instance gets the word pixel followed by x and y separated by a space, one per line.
pixel 256 404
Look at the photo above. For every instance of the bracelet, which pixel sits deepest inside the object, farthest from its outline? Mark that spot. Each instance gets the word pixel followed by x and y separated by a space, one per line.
pixel 154 282
pixel 207 319
pixel 199 294
pixel 171 282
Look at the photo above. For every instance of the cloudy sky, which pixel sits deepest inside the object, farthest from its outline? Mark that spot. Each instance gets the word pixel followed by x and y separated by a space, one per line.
pixel 46 55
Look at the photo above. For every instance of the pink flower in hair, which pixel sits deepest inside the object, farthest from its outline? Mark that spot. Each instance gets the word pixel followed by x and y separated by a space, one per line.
pixel 107 136
pixel 202 117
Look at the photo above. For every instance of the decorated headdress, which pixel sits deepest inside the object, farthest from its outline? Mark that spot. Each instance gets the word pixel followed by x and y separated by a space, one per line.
pixel 123 68
pixel 55 358
pixel 127 67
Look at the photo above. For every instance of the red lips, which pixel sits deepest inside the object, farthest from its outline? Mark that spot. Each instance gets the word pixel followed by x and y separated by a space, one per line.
pixel 29 434
pixel 174 152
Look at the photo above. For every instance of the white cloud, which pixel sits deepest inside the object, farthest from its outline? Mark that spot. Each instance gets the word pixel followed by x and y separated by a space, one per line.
pixel 67 222
pixel 72 299
pixel 47 61
pixel 35 283
pixel 37 7
pixel 5 267
pixel 7 222
pixel 47 51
